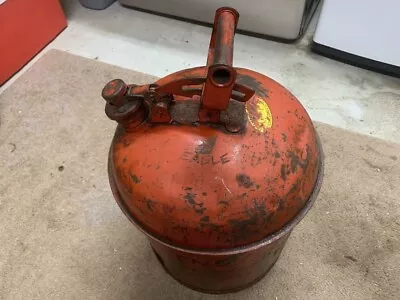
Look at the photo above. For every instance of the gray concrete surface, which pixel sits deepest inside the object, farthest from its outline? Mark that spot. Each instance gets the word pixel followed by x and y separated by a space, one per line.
pixel 63 237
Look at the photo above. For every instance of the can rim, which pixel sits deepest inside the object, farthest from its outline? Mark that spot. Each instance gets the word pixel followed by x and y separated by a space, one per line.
pixel 236 250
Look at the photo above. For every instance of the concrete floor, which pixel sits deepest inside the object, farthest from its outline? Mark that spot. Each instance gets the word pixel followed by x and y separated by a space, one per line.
pixel 332 92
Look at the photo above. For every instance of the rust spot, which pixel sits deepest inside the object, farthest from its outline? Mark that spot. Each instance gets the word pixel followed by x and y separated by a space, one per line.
pixel 281 205
pixel 260 211
pixel 277 155
pixel 204 193
pixel 207 146
pixel 191 200
pixel 125 159
pixel 252 83
pixel 129 190
pixel 255 160
pixel 293 188
pixel 134 178
pixel 150 204
pixel 240 227
pixel 244 180
pixel 284 137
pixel 167 209
pixel 296 160
pixel 183 230
pixel 223 202
pixel 205 219
pixel 257 215
pixel 283 172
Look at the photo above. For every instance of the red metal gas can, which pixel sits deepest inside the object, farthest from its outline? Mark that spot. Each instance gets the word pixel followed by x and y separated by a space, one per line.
pixel 215 164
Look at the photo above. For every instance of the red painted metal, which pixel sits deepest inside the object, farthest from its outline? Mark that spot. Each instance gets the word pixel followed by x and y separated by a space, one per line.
pixel 215 164
pixel 220 75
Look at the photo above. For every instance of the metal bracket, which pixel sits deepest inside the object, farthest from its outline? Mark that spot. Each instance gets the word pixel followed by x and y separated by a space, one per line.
pixel 211 92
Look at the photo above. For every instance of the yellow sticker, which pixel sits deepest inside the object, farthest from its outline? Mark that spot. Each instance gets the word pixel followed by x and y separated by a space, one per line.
pixel 259 115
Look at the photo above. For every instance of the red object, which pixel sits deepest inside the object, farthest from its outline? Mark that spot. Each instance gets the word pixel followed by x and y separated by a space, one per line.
pixel 215 164
pixel 26 27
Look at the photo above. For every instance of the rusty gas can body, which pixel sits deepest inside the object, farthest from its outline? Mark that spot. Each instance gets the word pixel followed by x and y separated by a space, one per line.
pixel 215 164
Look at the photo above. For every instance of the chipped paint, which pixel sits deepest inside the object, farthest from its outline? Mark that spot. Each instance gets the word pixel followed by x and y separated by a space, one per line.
pixel 261 120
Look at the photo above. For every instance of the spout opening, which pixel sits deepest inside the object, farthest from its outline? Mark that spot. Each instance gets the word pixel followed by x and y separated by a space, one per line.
pixel 221 76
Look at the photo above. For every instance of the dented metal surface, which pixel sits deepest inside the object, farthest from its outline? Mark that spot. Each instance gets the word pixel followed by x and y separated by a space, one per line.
pixel 216 170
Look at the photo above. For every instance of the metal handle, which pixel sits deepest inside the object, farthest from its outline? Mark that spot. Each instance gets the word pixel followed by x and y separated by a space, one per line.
pixel 221 76
pixel 221 43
